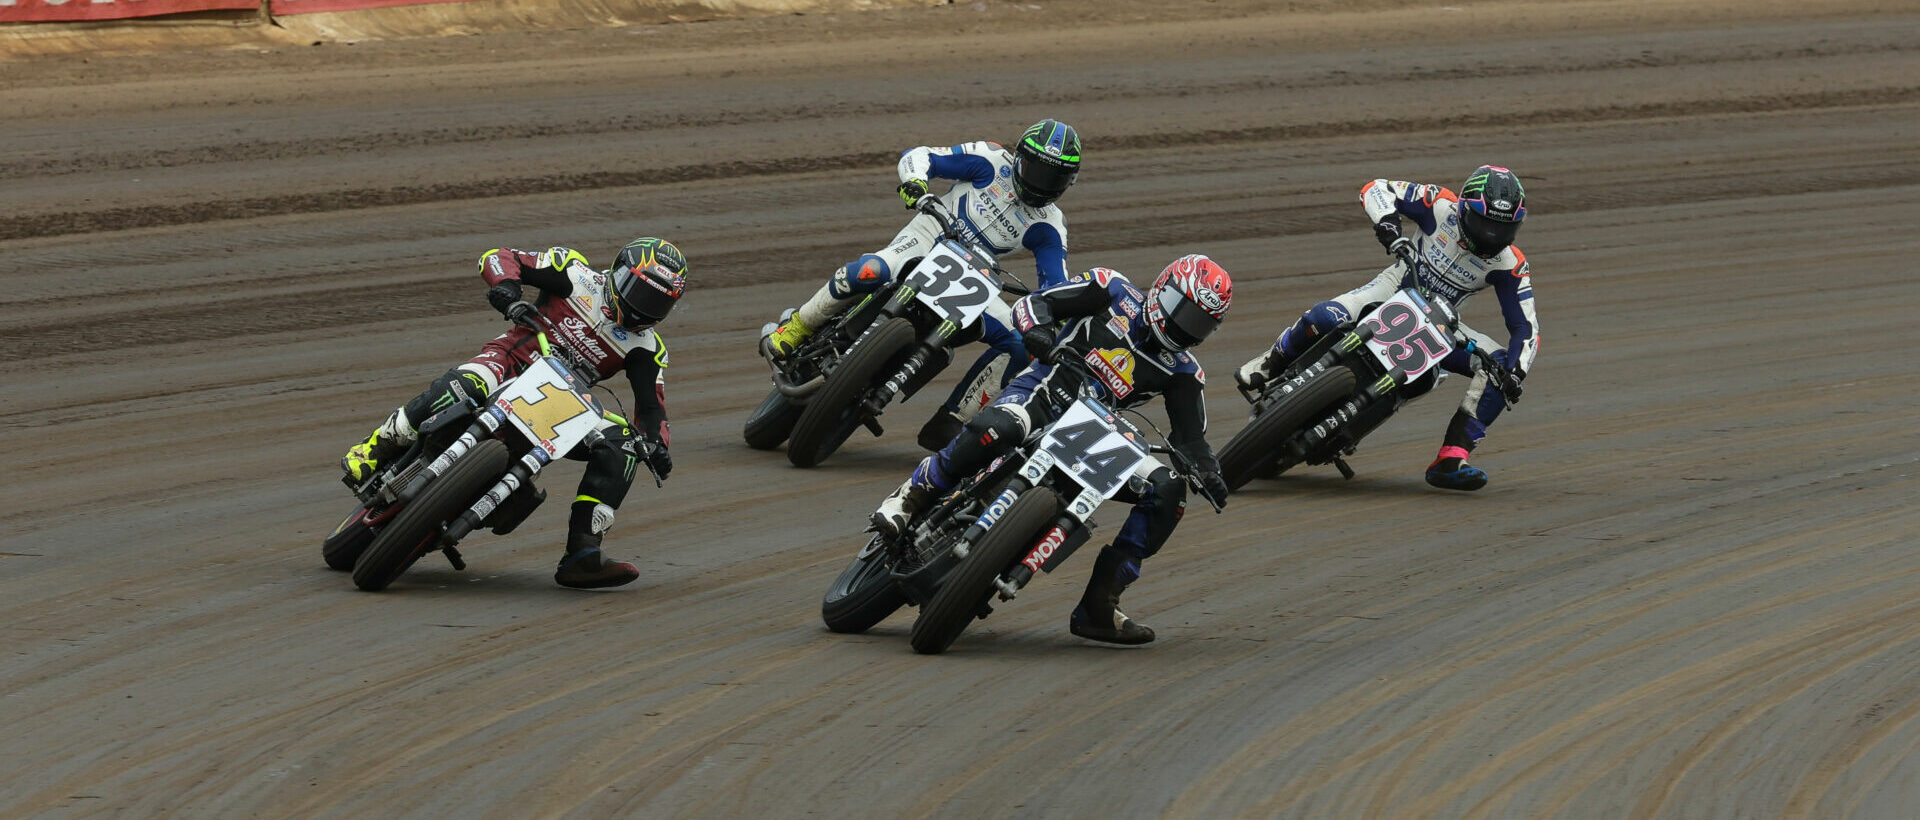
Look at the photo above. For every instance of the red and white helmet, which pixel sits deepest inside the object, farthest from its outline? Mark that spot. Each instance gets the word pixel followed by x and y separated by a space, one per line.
pixel 1188 301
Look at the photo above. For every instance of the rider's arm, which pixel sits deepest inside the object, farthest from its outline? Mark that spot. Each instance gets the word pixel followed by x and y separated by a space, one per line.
pixel 1187 414
pixel 1388 199
pixel 546 270
pixel 961 162
pixel 647 372
pixel 1514 287
pixel 1048 241
pixel 1081 297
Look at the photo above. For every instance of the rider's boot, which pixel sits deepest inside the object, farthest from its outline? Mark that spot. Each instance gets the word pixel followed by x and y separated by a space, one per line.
pixel 584 566
pixel 898 509
pixel 1450 470
pixel 1253 376
pixel 819 309
pixel 390 439
pixel 983 385
pixel 1098 618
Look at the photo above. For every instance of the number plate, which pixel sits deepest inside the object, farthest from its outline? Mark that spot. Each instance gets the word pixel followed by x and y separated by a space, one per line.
pixel 1087 446
pixel 545 406
pixel 950 283
pixel 1409 336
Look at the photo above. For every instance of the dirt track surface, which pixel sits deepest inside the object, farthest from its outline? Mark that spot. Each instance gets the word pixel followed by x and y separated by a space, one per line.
pixel 1690 590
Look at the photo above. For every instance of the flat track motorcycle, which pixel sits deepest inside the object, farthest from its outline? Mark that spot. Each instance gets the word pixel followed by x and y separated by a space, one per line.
pixel 888 346
pixel 1349 382
pixel 471 466
pixel 1023 514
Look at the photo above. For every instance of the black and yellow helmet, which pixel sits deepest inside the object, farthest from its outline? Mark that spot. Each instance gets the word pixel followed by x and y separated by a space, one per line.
pixel 647 277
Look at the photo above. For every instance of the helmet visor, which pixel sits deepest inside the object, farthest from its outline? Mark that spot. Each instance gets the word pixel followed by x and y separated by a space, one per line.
pixel 643 298
pixel 1486 236
pixel 1186 322
pixel 1039 182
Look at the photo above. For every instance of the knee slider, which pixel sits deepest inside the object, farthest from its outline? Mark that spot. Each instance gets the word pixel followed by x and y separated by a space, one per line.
pixel 1326 316
pixel 864 275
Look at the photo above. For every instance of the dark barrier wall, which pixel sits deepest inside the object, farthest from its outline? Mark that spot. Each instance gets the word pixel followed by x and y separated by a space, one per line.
pixel 25 11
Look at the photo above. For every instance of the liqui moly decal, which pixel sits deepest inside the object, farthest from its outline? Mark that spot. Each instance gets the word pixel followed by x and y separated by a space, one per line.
pixel 997 508
pixel 1045 549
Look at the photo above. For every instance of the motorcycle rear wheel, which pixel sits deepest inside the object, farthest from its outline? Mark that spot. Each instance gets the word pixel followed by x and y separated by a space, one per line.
pixel 1252 450
pixel 343 546
pixel 833 413
pixel 970 586
pixel 771 421
pixel 863 595
pixel 414 529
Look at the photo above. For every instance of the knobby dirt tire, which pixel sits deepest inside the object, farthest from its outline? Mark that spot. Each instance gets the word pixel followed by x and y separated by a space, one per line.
pixel 863 595
pixel 1251 451
pixel 407 536
pixel 833 412
pixel 959 600
pixel 771 421
pixel 343 546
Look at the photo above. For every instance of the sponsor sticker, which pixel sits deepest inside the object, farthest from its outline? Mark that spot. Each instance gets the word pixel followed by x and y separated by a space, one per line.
pixel 1115 368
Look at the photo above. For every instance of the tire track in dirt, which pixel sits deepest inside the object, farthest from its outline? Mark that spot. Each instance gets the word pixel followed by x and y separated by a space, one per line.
pixel 147 216
pixel 221 316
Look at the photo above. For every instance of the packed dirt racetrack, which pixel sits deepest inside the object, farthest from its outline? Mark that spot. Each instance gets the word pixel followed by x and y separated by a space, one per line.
pixel 1691 589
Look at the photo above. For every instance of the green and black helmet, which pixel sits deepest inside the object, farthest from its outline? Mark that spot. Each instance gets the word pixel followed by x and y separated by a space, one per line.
pixel 1492 204
pixel 648 276
pixel 1046 162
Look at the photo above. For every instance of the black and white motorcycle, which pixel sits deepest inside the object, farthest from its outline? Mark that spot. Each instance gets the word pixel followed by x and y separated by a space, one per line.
pixel 887 347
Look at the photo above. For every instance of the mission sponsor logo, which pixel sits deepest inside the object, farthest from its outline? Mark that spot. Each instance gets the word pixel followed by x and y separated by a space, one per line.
pixel 1115 369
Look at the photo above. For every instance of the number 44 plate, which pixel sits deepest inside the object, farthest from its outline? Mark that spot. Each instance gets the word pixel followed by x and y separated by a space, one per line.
pixel 1087 446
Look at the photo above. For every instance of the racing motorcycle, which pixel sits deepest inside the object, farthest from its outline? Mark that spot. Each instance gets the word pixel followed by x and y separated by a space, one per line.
pixel 888 346
pixel 1349 382
pixel 1022 515
pixel 472 466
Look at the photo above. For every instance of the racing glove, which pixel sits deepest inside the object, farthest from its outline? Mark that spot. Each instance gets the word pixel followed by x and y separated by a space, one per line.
pixel 1386 231
pixel 658 458
pixel 912 190
pixel 503 295
pixel 1039 343
pixel 1215 487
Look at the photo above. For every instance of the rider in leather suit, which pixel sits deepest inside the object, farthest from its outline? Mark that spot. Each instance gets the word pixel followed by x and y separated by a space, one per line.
pixel 1137 345
pixel 1465 244
pixel 608 319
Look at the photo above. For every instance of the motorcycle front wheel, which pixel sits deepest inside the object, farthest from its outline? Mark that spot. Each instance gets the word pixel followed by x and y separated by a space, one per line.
pixel 1253 450
pixel 967 590
pixel 408 535
pixel 833 412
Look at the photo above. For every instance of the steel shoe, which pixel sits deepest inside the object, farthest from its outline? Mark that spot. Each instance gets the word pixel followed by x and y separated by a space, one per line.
pixel 1452 472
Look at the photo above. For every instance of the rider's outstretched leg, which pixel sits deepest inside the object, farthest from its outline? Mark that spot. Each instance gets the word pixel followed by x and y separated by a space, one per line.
pixel 611 463
pixel 1098 617
pixel 1450 470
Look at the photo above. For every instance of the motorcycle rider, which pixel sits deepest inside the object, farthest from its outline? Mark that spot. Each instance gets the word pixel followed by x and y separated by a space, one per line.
pixel 1137 344
pixel 608 320
pixel 1464 245
pixel 1005 204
